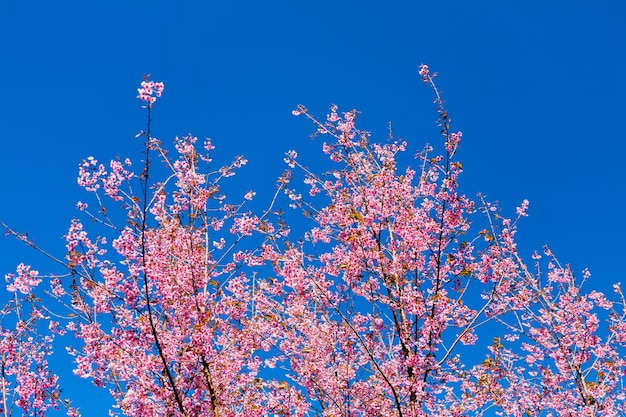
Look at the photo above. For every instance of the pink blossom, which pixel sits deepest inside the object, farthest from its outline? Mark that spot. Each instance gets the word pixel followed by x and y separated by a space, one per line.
pixel 424 72
pixel 290 158
pixel 24 280
pixel 149 91
pixel 522 210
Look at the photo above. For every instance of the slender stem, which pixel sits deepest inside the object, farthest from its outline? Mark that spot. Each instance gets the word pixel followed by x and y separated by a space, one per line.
pixel 144 226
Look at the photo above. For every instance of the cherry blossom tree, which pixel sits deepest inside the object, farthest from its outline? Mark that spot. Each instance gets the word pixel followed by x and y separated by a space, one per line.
pixel 401 297
pixel 387 297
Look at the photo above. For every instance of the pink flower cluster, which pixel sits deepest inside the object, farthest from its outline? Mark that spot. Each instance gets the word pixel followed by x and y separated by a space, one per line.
pixel 24 280
pixel 150 90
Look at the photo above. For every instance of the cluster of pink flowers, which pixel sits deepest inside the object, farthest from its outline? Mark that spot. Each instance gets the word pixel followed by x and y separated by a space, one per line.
pixel 150 90
pixel 24 281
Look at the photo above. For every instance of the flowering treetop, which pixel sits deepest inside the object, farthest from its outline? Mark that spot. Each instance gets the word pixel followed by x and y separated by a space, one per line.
pixel 403 297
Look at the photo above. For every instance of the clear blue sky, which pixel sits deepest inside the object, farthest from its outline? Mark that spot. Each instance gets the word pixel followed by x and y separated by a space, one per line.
pixel 537 87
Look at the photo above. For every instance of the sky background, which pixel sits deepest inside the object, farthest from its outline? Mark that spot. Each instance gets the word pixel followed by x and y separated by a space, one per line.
pixel 537 87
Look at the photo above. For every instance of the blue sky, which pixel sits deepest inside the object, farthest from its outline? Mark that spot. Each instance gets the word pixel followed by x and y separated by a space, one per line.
pixel 537 88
